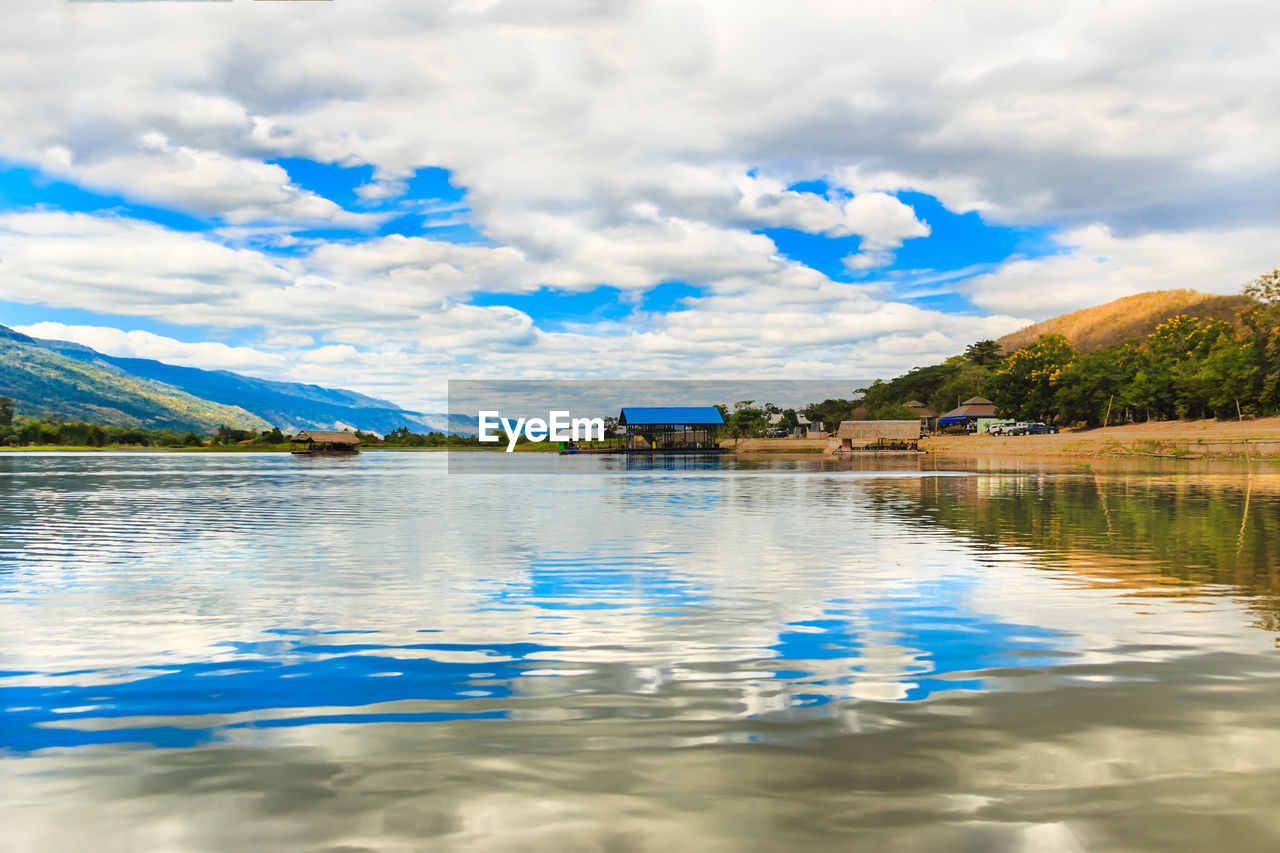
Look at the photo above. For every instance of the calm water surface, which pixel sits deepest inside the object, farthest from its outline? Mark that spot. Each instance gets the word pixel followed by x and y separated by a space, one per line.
pixel 256 652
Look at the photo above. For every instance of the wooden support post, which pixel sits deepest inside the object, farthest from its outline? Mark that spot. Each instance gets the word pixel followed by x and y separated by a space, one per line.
pixel 1106 420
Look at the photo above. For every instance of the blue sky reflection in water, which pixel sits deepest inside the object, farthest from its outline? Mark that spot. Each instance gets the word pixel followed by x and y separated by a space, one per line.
pixel 372 652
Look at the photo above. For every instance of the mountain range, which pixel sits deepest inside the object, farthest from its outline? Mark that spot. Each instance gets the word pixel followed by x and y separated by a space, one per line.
pixel 47 378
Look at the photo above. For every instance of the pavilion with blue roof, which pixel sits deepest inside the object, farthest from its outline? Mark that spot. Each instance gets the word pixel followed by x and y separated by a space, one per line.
pixel 671 429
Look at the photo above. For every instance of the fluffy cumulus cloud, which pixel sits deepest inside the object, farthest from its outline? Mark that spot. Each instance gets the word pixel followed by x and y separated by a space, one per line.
pixel 1096 265
pixel 137 344
pixel 628 145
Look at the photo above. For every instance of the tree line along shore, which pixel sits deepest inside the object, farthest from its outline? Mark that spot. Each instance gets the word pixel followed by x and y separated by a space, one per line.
pixel 38 434
pixel 1187 368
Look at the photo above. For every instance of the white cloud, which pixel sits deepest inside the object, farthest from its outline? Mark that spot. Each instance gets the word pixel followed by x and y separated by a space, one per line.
pixel 630 144
pixel 114 264
pixel 1097 266
pixel 379 190
pixel 574 109
pixel 138 344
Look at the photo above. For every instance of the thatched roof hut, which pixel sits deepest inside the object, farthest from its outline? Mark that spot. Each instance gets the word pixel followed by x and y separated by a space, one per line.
pixel 921 409
pixel 855 433
pixel 325 441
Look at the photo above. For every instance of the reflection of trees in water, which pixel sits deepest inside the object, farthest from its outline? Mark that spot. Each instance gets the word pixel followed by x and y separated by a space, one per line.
pixel 1129 531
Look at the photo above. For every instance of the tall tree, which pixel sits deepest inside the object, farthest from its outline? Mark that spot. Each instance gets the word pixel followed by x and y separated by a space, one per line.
pixel 985 353
pixel 1025 385
pixel 1263 324
pixel 1091 384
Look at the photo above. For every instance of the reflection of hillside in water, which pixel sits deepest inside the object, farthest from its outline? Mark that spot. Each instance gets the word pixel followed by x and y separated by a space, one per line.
pixel 1174 535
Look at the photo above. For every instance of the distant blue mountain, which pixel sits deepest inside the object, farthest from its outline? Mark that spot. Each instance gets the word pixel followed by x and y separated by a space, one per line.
pixel 288 405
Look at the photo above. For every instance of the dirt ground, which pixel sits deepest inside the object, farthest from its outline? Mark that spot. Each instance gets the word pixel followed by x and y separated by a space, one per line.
pixel 780 445
pixel 1202 439
pixel 1258 438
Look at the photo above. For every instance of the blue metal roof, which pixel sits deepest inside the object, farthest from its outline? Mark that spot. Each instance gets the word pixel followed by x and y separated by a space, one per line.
pixel 670 416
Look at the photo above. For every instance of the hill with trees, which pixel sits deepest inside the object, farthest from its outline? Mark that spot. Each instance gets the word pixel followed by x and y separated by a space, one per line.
pixel 1130 318
pixel 44 384
pixel 54 378
pixel 1185 366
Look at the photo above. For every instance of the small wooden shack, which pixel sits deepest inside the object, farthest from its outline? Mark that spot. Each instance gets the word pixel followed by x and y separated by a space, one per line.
pixel 324 441
pixel 878 435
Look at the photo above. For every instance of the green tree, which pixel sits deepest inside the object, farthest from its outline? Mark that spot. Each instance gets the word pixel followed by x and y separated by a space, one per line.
pixel 1262 321
pixel 891 412
pixel 747 420
pixel 1265 288
pixel 1231 376
pixel 830 412
pixel 6 411
pixel 1175 355
pixel 275 436
pixel 985 353
pixel 966 380
pixel 1094 383
pixel 1026 384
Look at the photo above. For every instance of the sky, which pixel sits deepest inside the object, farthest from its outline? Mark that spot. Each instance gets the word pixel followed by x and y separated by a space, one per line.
pixel 386 195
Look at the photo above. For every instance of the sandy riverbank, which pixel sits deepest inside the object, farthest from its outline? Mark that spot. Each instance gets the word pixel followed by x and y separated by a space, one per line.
pixel 1201 439
pixel 1206 439
pixel 779 445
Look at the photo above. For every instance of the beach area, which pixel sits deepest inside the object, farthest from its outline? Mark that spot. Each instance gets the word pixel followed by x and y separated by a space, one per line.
pixel 1198 439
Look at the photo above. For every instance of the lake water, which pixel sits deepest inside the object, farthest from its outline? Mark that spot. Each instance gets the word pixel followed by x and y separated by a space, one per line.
pixel 256 652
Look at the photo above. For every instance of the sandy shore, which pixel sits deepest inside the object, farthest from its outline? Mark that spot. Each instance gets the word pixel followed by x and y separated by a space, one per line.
pixel 1201 439
pixel 779 445
pixel 1206 439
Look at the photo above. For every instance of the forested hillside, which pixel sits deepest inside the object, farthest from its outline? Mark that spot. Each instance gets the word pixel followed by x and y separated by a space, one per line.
pixel 1129 318
pixel 46 384
pixel 255 402
pixel 1185 367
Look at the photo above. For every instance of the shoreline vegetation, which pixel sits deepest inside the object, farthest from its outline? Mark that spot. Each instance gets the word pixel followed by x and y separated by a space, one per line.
pixel 1186 368
pixel 1193 387
pixel 34 435
pixel 1248 440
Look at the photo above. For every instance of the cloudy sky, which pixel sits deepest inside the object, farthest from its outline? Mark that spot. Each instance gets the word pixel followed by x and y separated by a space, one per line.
pixel 383 195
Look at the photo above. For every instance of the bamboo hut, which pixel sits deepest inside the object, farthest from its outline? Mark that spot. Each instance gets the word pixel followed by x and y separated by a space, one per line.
pixel 324 441
pixel 878 435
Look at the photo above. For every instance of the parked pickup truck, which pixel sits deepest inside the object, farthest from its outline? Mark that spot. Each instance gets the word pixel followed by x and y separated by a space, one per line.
pixel 1043 429
pixel 1009 428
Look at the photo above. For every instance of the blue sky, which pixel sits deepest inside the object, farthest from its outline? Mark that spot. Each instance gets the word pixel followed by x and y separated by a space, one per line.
pixel 384 196
pixel 927 271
